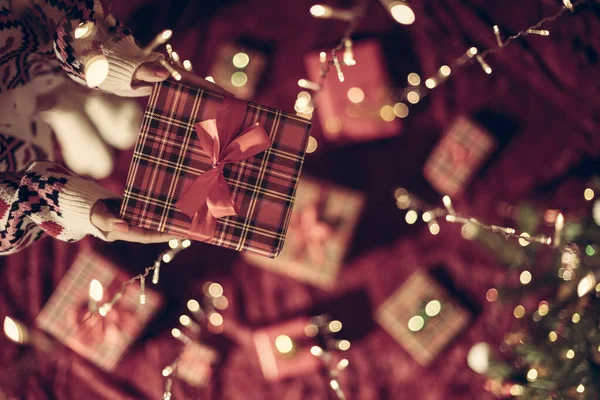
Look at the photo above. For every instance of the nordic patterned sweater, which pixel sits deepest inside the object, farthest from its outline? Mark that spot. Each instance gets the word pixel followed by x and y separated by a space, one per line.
pixel 39 42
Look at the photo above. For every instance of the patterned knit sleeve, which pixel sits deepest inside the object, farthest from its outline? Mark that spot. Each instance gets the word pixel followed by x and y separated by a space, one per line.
pixel 95 49
pixel 45 198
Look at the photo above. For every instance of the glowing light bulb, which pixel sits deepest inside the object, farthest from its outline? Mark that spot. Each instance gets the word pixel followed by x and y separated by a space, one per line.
pixel 14 330
pixel 416 323
pixel 414 79
pixel 532 375
pixel 525 277
pixel 215 319
pixel 96 290
pixel 284 344
pixel 316 351
pixel 411 217
pixel 401 110
pixel 320 11
pixel 335 326
pixel 83 30
pixel 401 12
pixel 312 145
pixel 96 71
pixel 430 83
pixel 215 290
pixel 586 284
pixel 356 95
pixel 445 70
pixel 433 308
pixel 239 79
pixel 241 60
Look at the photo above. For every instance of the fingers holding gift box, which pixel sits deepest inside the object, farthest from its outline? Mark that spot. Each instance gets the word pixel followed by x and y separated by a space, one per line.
pixel 215 169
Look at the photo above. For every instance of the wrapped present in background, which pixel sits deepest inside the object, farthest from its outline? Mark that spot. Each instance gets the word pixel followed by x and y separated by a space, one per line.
pixel 215 169
pixel 238 68
pixel 319 234
pixel 100 334
pixel 195 365
pixel 299 347
pixel 458 156
pixel 422 317
pixel 360 108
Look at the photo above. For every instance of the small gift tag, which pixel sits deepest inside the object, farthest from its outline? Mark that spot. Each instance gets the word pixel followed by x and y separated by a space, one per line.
pixel 422 317
pixel 458 156
pixel 80 312
pixel 319 233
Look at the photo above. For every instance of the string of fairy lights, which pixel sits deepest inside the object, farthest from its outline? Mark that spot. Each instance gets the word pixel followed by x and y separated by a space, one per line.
pixel 416 89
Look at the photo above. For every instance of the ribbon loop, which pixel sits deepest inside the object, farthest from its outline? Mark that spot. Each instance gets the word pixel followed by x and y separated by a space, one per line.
pixel 209 198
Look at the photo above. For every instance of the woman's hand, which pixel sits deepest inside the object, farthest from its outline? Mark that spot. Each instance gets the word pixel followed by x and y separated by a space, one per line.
pixel 117 229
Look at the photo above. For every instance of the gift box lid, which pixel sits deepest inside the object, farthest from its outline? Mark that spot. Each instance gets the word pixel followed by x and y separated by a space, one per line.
pixel 168 158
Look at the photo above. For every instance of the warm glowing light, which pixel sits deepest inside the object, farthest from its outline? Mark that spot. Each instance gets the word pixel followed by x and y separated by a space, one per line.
pixel 312 145
pixel 491 295
pixel 284 344
pixel 484 65
pixel 343 345
pixel 185 320
pixel 411 217
pixel 311 330
pixel 570 354
pixel 580 388
pixel 588 194
pixel 472 51
pixel 402 12
pixel 525 277
pixel 13 330
pixel 83 30
pixel 590 250
pixel 333 125
pixel 543 308
pixel 187 65
pixel 552 336
pixel 519 311
pixel 221 303
pixel 416 323
pixel 166 34
pixel 343 364
pixel 316 351
pixel 176 333
pixel 335 385
pixel 434 228
pixel 186 243
pixel 241 60
pixel 239 79
pixel 430 83
pixel 414 79
pixel 445 70
pixel 215 290
pixel 532 375
pixel 433 308
pixel 167 371
pixel 167 257
pixel 193 305
pixel 427 216
pixel 335 326
pixel 173 243
pixel 523 241
pixel 96 71
pixel 215 319
pixel 320 11
pixel 356 95
pixel 586 284
pixel 516 390
pixel 96 290
pixel 401 110
pixel 576 318
pixel 387 113
pixel 469 231
pixel 210 79
pixel 478 358
pixel 413 97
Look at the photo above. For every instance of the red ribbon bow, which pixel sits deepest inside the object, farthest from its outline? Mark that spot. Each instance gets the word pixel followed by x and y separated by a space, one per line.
pixel 224 140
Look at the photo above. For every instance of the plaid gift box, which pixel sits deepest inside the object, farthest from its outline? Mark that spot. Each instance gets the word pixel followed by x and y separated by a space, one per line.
pixel 195 365
pixel 458 156
pixel 319 234
pixel 422 317
pixel 284 350
pixel 170 160
pixel 360 108
pixel 102 340
pixel 238 69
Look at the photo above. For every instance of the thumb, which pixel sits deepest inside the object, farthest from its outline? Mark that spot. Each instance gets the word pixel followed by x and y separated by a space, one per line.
pixel 151 72
pixel 103 219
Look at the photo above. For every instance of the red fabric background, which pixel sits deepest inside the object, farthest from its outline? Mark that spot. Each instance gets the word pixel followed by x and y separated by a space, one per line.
pixel 546 88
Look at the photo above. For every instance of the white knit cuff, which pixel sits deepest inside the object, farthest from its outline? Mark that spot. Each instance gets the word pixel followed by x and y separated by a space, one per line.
pixel 76 201
pixel 124 58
